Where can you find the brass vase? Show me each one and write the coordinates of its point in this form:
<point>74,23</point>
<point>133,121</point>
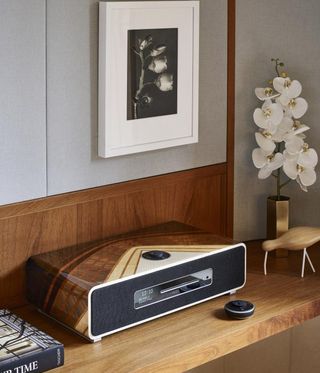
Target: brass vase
<point>277,219</point>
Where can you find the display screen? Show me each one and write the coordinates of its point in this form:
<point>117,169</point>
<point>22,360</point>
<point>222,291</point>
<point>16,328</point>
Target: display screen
<point>167,290</point>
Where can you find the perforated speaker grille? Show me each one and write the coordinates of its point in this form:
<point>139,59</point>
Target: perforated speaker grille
<point>112,306</point>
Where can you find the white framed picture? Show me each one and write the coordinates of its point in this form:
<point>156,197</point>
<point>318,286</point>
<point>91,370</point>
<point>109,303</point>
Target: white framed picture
<point>148,75</point>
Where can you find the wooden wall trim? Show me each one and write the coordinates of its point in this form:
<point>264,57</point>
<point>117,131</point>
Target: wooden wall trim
<point>92,194</point>
<point>230,114</point>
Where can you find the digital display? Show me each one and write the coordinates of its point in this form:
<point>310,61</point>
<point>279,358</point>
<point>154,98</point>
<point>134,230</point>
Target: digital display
<point>167,290</point>
<point>145,295</point>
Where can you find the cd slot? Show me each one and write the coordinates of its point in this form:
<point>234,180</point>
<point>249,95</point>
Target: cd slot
<point>181,285</point>
<point>167,290</point>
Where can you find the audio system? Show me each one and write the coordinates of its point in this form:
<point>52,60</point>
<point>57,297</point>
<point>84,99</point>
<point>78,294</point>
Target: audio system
<point>105,287</point>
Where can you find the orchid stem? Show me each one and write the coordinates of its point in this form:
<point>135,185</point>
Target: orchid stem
<point>135,110</point>
<point>141,83</point>
<point>285,183</point>
<point>277,64</point>
<point>278,184</point>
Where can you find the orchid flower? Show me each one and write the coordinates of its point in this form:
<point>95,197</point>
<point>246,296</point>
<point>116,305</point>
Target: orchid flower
<point>301,166</point>
<point>282,129</point>
<point>269,116</point>
<point>165,82</point>
<point>296,107</point>
<point>267,162</point>
<point>266,93</point>
<point>281,136</point>
<point>288,89</point>
<point>264,141</point>
<point>158,64</point>
<point>293,143</point>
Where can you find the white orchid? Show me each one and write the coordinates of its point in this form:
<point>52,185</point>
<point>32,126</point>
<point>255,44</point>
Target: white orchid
<point>283,128</point>
<point>288,89</point>
<point>269,116</point>
<point>298,128</point>
<point>266,93</point>
<point>296,107</point>
<point>281,136</point>
<point>293,143</point>
<point>288,128</point>
<point>300,166</point>
<point>263,139</point>
<point>267,162</point>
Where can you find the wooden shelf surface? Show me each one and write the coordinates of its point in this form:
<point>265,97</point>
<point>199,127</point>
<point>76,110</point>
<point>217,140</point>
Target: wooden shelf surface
<point>202,333</point>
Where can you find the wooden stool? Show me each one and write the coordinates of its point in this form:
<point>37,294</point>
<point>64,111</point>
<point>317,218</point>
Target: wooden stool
<point>298,238</point>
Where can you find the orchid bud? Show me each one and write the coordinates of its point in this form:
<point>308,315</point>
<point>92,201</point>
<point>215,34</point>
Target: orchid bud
<point>145,43</point>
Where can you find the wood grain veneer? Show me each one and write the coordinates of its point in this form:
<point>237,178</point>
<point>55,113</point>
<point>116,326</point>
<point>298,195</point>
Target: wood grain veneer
<point>194,336</point>
<point>58,283</point>
<point>196,197</point>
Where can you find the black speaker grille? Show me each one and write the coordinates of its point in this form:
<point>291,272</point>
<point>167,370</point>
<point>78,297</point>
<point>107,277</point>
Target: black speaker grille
<point>112,307</point>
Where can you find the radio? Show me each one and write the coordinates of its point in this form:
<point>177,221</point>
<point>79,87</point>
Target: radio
<point>102,288</point>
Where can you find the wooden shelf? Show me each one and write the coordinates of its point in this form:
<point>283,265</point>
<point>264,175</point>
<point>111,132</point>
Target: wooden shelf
<point>202,333</point>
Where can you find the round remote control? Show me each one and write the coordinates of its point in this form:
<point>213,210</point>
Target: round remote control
<point>239,309</point>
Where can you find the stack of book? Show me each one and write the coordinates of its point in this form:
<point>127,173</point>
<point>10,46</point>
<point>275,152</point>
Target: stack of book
<point>24,348</point>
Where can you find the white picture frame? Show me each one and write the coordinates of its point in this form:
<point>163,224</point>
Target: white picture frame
<point>120,132</point>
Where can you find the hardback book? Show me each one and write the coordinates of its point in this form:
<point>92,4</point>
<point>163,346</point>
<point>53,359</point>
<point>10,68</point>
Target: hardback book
<point>24,348</point>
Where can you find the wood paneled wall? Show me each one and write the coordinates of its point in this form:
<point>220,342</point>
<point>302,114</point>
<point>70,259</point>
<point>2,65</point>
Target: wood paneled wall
<point>196,197</point>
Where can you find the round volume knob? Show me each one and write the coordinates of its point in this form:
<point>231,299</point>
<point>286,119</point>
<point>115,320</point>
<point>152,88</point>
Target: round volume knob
<point>155,255</point>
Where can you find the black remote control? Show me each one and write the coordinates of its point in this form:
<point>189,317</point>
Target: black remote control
<point>239,309</point>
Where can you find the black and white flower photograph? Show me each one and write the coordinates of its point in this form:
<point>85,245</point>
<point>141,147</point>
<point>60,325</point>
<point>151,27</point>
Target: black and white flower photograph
<point>152,73</point>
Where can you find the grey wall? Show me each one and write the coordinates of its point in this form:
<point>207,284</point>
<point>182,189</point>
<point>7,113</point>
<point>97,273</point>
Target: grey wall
<point>22,100</point>
<point>288,29</point>
<point>62,35</point>
<point>72,102</point>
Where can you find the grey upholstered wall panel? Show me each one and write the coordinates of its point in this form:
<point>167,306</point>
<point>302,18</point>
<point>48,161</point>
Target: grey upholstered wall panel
<point>72,101</point>
<point>22,100</point>
<point>288,29</point>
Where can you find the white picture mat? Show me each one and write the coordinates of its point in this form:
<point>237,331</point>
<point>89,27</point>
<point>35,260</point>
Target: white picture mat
<point>117,135</point>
